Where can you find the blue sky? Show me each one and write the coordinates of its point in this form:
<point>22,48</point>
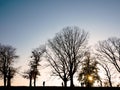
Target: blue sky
<point>25,24</point>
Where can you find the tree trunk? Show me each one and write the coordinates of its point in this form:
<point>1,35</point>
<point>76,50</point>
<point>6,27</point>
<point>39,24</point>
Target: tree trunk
<point>9,78</point>
<point>8,82</point>
<point>110,83</point>
<point>30,83</point>
<point>100,83</point>
<point>71,81</point>
<point>4,80</point>
<point>35,81</point>
<point>65,83</point>
<point>5,75</point>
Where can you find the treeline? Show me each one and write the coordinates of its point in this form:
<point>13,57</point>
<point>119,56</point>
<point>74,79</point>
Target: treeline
<point>68,52</point>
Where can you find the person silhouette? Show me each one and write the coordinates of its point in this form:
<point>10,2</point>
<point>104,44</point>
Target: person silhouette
<point>43,83</point>
<point>62,84</point>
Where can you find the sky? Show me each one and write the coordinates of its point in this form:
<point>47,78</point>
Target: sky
<point>26,24</point>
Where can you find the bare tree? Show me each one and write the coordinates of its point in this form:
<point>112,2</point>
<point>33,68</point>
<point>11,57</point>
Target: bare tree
<point>67,47</point>
<point>33,72</point>
<point>59,67</point>
<point>7,58</point>
<point>110,51</point>
<point>107,71</point>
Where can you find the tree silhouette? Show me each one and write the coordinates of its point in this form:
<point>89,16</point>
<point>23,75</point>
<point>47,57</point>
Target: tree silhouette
<point>107,70</point>
<point>28,75</point>
<point>89,72</point>
<point>11,73</point>
<point>59,68</point>
<point>33,72</point>
<point>67,47</point>
<point>7,58</point>
<point>110,50</point>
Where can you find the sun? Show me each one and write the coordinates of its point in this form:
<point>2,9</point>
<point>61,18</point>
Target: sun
<point>90,78</point>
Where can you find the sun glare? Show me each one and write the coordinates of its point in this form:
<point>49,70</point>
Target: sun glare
<point>90,78</point>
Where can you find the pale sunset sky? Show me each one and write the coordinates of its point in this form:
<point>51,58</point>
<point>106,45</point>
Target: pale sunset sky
<point>26,24</point>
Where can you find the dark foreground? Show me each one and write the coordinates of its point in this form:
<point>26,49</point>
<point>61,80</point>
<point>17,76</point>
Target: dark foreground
<point>57,88</point>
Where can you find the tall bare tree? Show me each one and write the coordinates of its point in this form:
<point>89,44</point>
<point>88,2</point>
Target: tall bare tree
<point>110,51</point>
<point>33,72</point>
<point>67,47</point>
<point>7,58</point>
<point>59,67</point>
